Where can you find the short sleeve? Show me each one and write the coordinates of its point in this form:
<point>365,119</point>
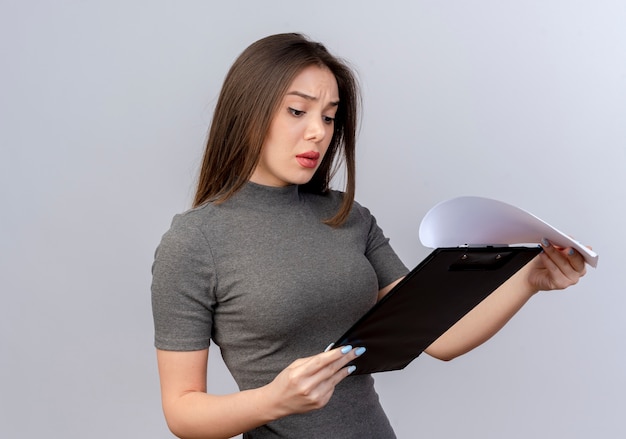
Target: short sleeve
<point>384,260</point>
<point>183,288</point>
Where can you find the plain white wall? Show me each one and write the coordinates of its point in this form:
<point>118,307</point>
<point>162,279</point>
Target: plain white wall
<point>104,107</point>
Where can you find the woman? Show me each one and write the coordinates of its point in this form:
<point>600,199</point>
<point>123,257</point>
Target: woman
<point>272,265</point>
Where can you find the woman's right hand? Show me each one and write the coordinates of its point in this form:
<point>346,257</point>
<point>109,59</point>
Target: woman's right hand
<point>308,383</point>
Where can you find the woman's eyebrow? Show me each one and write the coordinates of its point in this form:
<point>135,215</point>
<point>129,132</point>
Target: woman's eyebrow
<point>310,98</point>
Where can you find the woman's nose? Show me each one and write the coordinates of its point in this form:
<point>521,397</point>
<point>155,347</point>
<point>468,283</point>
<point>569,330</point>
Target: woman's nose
<point>315,130</point>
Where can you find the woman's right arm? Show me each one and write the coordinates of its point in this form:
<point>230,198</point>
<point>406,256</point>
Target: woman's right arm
<point>306,384</point>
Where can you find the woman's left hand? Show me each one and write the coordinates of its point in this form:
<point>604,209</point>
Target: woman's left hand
<point>556,268</point>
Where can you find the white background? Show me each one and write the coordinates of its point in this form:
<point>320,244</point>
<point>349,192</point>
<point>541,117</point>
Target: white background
<point>104,108</point>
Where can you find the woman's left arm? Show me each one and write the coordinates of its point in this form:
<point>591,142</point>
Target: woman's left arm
<point>554,269</point>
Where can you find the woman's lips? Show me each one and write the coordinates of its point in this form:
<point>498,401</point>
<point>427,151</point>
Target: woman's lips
<point>308,159</point>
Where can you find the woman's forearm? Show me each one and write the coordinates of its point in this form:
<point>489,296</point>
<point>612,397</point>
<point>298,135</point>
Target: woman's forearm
<point>486,319</point>
<point>201,415</point>
<point>192,413</point>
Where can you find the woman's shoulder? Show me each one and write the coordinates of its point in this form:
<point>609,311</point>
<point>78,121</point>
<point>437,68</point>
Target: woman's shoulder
<point>189,226</point>
<point>192,217</point>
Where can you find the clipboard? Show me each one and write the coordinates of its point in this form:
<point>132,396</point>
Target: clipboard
<point>437,293</point>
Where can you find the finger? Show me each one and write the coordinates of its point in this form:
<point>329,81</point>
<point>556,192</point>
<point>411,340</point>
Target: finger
<point>553,252</point>
<point>330,354</point>
<point>348,354</point>
<point>324,371</point>
<point>348,369</point>
<point>341,374</point>
<point>576,260</point>
<point>341,368</point>
<point>565,267</point>
<point>326,363</point>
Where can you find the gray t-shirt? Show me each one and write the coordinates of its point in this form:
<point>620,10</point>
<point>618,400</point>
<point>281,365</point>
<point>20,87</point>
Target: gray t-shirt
<point>268,282</point>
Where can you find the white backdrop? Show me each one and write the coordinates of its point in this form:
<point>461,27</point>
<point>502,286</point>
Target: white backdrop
<point>104,108</point>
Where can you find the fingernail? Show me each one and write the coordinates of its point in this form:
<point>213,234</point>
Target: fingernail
<point>360,351</point>
<point>351,369</point>
<point>571,252</point>
<point>545,242</point>
<point>346,349</point>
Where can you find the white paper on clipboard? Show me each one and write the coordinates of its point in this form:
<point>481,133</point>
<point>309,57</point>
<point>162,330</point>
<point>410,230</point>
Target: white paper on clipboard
<point>483,221</point>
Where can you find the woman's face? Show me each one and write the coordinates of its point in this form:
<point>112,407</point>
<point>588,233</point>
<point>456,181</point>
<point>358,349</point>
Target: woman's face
<point>300,131</point>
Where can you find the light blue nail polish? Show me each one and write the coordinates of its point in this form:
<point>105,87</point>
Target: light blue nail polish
<point>545,242</point>
<point>351,369</point>
<point>360,351</point>
<point>571,252</point>
<point>346,349</point>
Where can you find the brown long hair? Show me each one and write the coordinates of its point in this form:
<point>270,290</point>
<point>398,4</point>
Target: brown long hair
<point>250,96</point>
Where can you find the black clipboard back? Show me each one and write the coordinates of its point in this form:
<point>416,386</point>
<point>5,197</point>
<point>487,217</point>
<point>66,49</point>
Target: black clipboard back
<point>437,293</point>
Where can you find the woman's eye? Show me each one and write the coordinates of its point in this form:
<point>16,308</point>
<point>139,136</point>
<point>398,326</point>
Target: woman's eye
<point>295,112</point>
<point>328,119</point>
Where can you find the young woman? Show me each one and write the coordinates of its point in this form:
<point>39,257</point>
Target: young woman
<point>272,265</point>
